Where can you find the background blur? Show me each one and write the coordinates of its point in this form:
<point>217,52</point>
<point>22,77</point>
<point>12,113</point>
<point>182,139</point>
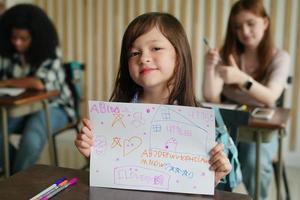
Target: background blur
<point>90,31</point>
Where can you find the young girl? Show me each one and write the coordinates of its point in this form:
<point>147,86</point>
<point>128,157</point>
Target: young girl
<point>30,58</point>
<point>155,67</point>
<point>252,72</point>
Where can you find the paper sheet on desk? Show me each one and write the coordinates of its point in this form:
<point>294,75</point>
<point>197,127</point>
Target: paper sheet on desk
<point>151,147</point>
<point>11,91</point>
<point>220,105</point>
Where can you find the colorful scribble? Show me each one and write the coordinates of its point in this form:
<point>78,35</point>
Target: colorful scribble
<point>177,170</point>
<point>141,177</point>
<point>171,144</point>
<point>99,144</point>
<point>138,119</point>
<point>131,144</point>
<point>101,107</point>
<point>116,141</point>
<point>180,128</point>
<point>118,118</point>
<point>152,163</point>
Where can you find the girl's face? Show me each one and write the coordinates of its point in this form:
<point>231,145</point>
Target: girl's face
<point>21,40</point>
<point>250,28</point>
<point>152,60</point>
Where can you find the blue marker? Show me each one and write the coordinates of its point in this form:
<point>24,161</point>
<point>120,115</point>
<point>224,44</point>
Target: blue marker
<point>39,195</point>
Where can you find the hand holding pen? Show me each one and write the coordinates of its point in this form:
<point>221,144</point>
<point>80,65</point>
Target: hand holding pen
<point>213,57</point>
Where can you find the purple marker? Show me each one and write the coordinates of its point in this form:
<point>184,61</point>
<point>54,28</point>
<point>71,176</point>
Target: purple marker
<point>39,195</point>
<point>72,182</point>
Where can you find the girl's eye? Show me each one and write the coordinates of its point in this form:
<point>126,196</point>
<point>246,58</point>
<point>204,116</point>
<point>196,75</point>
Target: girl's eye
<point>157,48</point>
<point>132,54</point>
<point>251,24</point>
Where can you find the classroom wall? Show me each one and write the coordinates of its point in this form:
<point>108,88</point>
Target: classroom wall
<point>91,30</point>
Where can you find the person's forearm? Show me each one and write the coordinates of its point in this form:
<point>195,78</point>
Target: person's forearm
<point>267,95</point>
<point>212,86</point>
<point>28,82</point>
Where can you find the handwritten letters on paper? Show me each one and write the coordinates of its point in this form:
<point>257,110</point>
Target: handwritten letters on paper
<point>151,147</point>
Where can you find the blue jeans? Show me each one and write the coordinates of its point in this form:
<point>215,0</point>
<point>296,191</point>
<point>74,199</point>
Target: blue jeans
<point>34,136</point>
<point>247,159</point>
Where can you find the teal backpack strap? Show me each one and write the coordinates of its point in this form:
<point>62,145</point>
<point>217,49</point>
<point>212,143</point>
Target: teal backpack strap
<point>221,128</point>
<point>234,177</point>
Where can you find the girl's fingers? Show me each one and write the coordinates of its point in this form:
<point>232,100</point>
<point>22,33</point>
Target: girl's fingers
<point>87,123</point>
<point>216,149</point>
<point>219,157</point>
<point>221,166</point>
<point>87,132</point>
<point>82,144</point>
<point>85,138</point>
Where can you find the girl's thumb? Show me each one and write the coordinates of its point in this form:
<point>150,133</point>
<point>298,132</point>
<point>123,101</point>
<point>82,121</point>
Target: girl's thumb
<point>232,61</point>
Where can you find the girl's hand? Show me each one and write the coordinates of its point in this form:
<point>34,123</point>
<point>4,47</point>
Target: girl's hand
<point>84,140</point>
<point>219,162</point>
<point>232,74</point>
<point>212,58</point>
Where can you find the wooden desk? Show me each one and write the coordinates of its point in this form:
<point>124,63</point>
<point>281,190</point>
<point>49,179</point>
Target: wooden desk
<point>28,102</point>
<point>260,135</point>
<point>28,183</point>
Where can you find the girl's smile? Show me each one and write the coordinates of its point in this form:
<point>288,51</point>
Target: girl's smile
<point>147,70</point>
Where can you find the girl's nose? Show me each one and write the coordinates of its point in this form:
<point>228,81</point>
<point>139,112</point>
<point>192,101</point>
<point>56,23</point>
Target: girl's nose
<point>17,42</point>
<point>245,30</point>
<point>145,58</point>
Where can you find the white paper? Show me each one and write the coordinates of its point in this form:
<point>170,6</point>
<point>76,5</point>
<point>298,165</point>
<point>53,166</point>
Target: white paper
<point>219,105</point>
<point>151,147</point>
<point>11,91</point>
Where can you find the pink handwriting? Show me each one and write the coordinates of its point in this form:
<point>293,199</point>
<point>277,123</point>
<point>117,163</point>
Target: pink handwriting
<point>141,177</point>
<point>101,107</point>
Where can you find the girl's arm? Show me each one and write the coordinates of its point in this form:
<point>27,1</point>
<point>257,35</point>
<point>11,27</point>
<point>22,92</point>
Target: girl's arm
<point>27,82</point>
<point>266,94</point>
<point>84,139</point>
<point>212,82</point>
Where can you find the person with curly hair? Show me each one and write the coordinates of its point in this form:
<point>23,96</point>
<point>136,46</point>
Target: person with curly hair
<point>30,58</point>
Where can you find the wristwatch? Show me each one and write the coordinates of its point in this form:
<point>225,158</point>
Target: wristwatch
<point>248,84</point>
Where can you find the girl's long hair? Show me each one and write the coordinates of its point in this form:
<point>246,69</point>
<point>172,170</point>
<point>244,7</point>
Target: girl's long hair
<point>182,80</point>
<point>233,46</point>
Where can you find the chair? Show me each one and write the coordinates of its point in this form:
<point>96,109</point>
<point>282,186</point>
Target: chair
<point>280,103</point>
<point>234,119</point>
<point>74,78</point>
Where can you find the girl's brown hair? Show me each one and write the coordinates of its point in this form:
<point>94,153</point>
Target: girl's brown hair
<point>182,80</point>
<point>233,46</point>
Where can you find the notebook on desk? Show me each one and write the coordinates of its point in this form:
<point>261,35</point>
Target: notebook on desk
<point>263,113</point>
<point>219,105</point>
<point>11,91</point>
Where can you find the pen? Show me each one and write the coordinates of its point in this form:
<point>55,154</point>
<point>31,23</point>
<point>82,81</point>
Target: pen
<point>208,46</point>
<point>206,43</point>
<point>43,192</point>
<point>55,188</point>
<point>73,181</point>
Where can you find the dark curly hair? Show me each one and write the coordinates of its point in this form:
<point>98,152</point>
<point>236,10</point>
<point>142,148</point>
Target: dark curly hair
<point>44,38</point>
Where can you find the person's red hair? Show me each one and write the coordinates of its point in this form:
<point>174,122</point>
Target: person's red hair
<point>233,46</point>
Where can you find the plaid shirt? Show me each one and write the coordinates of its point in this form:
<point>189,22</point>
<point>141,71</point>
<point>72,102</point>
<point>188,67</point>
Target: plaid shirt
<point>50,72</point>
